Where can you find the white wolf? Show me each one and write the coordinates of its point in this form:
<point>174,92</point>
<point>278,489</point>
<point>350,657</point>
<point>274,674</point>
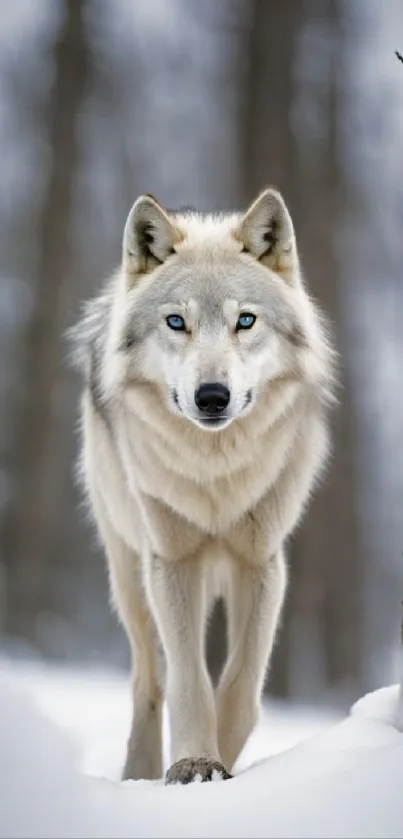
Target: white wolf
<point>204,426</point>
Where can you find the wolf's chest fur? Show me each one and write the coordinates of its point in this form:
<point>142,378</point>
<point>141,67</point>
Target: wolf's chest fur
<point>211,480</point>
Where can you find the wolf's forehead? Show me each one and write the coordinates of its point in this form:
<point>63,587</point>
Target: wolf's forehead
<point>206,295</point>
<point>210,281</point>
<point>207,286</point>
<point>210,307</point>
<point>199,287</point>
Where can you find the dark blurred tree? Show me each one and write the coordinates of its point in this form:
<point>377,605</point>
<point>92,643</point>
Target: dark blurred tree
<point>269,148</point>
<point>323,607</point>
<point>28,523</point>
<point>270,159</point>
<point>329,548</point>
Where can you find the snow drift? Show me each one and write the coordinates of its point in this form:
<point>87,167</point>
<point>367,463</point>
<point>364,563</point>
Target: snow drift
<point>344,782</point>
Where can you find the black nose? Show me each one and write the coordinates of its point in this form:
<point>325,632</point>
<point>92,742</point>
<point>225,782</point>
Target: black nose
<point>212,398</point>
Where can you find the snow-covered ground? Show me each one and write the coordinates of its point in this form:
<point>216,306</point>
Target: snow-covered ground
<point>94,707</point>
<point>303,774</point>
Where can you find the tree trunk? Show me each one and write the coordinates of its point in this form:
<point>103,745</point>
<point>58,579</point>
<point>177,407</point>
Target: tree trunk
<point>321,621</point>
<point>270,160</point>
<point>28,524</point>
<point>329,543</point>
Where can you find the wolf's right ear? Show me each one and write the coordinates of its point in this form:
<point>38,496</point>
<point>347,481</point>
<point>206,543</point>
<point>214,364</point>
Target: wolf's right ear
<point>149,237</point>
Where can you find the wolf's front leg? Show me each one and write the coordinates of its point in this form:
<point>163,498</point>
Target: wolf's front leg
<point>176,594</point>
<point>254,607</point>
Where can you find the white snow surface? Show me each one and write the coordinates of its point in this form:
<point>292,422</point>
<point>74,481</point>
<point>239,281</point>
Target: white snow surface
<point>62,738</point>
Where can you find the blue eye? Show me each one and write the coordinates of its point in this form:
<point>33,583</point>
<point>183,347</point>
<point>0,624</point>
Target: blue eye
<point>245,321</point>
<point>176,322</point>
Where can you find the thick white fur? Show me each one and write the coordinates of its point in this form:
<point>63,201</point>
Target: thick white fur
<point>186,514</point>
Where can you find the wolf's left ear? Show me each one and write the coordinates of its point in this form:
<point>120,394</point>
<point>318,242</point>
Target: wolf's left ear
<point>268,234</point>
<point>149,236</point>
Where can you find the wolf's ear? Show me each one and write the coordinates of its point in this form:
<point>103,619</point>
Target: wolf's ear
<point>149,236</point>
<point>268,234</point>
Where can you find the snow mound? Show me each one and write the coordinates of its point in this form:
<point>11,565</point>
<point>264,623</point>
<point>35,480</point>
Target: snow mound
<point>344,782</point>
<point>381,705</point>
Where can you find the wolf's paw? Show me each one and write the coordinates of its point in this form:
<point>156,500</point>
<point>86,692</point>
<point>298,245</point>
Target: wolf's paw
<point>196,769</point>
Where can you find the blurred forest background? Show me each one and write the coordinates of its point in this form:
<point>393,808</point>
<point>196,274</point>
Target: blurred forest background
<point>203,103</point>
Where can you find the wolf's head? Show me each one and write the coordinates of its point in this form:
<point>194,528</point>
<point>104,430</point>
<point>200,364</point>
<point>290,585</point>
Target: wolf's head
<point>212,309</point>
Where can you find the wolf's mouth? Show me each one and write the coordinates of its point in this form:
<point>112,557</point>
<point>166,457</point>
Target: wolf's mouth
<point>212,421</point>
